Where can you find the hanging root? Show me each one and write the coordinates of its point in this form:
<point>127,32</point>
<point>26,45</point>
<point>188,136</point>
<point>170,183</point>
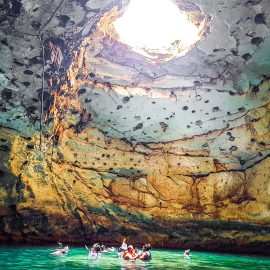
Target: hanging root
<point>42,93</point>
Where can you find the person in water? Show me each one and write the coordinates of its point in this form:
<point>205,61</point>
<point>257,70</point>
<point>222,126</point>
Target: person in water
<point>145,255</point>
<point>111,249</point>
<point>60,251</point>
<point>186,254</point>
<point>129,254</point>
<point>124,245</point>
<point>60,245</point>
<point>122,248</point>
<point>103,249</point>
<point>95,250</point>
<point>65,250</point>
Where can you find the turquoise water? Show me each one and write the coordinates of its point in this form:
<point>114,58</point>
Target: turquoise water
<point>38,258</point>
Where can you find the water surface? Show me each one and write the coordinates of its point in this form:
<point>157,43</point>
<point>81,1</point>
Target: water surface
<point>38,258</point>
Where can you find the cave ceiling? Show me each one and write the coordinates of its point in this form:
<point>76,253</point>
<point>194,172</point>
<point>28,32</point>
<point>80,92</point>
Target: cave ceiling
<point>215,93</point>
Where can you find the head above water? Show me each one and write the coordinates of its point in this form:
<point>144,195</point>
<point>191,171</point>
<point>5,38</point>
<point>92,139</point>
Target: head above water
<point>96,247</point>
<point>130,247</point>
<point>147,247</point>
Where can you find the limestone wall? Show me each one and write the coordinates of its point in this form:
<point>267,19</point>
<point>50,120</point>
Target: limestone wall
<point>104,189</point>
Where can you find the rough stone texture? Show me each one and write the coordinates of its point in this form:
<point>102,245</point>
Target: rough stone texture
<point>175,153</point>
<point>95,187</point>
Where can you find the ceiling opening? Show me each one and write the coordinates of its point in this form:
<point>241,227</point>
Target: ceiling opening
<point>158,30</point>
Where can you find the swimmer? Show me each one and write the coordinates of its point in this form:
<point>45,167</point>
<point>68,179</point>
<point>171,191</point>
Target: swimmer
<point>111,249</point>
<point>124,245</point>
<point>145,255</point>
<point>186,254</point>
<point>65,250</point>
<point>94,251</point>
<point>60,245</point>
<point>122,249</point>
<point>103,249</point>
<point>120,252</point>
<point>96,248</point>
<point>129,254</point>
<point>60,252</point>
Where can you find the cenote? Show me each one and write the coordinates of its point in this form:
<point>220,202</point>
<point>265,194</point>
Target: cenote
<point>38,258</point>
<point>144,120</point>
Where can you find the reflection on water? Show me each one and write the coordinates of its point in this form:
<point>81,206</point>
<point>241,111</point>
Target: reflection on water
<point>27,258</point>
<point>138,265</point>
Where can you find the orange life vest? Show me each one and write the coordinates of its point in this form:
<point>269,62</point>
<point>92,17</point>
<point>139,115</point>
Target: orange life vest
<point>131,252</point>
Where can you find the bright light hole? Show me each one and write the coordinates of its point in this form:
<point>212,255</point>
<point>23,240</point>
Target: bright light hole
<point>154,25</point>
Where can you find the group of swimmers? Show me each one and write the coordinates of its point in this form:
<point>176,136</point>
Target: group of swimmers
<point>127,252</point>
<point>97,249</point>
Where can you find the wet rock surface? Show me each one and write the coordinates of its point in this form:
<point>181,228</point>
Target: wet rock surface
<point>92,187</point>
<point>175,153</point>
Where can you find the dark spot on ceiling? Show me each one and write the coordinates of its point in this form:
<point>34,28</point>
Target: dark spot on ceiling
<point>63,20</point>
<point>255,89</point>
<point>87,100</point>
<point>139,126</point>
<point>199,122</point>
<point>260,18</point>
<point>18,63</point>
<point>234,52</point>
<point>256,41</point>
<point>215,109</point>
<point>81,91</point>
<point>242,109</point>
<point>31,146</point>
<point>4,148</point>
<point>36,25</point>
<point>31,109</point>
<point>35,60</point>
<point>197,83</point>
<point>28,72</point>
<point>125,99</point>
<point>6,94</point>
<point>247,56</point>
<point>15,7</point>
<point>163,126</point>
<point>2,173</point>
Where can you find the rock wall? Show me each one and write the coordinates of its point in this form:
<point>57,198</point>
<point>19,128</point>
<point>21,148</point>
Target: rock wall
<point>95,188</point>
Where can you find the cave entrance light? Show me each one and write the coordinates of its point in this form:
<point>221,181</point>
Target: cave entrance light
<point>152,27</point>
